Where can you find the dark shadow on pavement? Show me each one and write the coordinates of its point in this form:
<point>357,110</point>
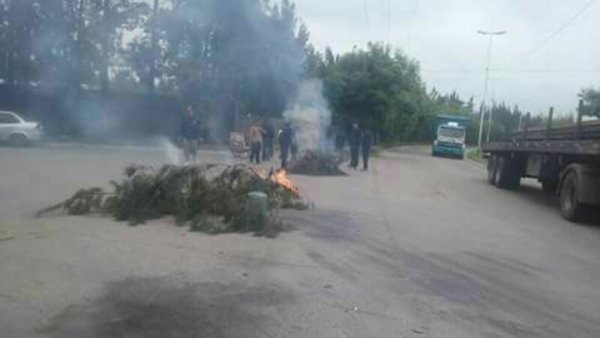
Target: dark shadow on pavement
<point>534,194</point>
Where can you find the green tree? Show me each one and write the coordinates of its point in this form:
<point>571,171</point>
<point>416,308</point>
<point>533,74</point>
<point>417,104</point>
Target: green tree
<point>21,26</point>
<point>378,88</point>
<point>230,57</point>
<point>106,22</point>
<point>591,99</point>
<point>4,39</point>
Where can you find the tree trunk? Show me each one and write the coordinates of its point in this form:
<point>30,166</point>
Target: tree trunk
<point>78,48</point>
<point>104,77</point>
<point>10,58</point>
<point>153,49</point>
<point>236,124</point>
<point>18,38</point>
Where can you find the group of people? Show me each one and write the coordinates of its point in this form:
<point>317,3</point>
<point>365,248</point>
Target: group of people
<point>262,138</point>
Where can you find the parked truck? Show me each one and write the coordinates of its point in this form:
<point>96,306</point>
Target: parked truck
<point>450,131</point>
<point>566,160</point>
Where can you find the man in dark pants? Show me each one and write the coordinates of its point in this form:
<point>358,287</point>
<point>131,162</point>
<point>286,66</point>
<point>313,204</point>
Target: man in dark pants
<point>367,142</point>
<point>355,141</point>
<point>189,134</point>
<point>268,138</point>
<point>340,141</point>
<point>286,137</point>
<point>294,146</point>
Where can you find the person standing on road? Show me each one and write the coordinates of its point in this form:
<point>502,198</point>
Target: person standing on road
<point>355,141</point>
<point>268,139</point>
<point>367,143</point>
<point>340,141</point>
<point>256,141</point>
<point>189,134</point>
<point>286,137</point>
<point>294,146</point>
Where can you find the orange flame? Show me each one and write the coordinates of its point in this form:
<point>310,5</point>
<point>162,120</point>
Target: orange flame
<point>280,177</point>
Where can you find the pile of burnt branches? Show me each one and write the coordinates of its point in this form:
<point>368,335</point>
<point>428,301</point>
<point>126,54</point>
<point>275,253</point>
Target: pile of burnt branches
<point>318,164</point>
<point>209,198</point>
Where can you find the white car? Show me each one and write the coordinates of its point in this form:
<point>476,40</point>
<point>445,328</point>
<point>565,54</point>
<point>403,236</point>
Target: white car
<point>17,131</point>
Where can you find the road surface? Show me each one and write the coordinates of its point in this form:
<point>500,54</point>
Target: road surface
<point>417,247</point>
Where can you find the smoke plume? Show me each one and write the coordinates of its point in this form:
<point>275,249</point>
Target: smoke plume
<point>310,116</point>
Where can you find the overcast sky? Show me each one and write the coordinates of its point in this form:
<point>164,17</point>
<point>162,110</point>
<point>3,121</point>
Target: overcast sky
<point>528,69</point>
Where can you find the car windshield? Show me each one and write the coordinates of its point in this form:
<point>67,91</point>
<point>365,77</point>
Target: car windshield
<point>300,168</point>
<point>452,132</point>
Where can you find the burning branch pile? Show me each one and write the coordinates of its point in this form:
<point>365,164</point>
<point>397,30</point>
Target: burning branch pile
<point>209,198</point>
<point>318,163</point>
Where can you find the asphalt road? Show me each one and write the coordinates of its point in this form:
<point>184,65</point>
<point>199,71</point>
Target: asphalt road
<point>417,247</point>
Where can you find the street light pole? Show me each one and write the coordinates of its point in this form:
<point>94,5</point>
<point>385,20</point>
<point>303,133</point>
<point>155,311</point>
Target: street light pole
<point>491,36</point>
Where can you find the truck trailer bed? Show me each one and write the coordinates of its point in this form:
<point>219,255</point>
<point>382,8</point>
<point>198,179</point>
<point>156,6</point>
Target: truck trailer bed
<point>589,147</point>
<point>565,160</point>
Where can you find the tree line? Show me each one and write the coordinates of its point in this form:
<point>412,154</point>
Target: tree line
<point>228,58</point>
<point>382,89</point>
<point>223,56</point>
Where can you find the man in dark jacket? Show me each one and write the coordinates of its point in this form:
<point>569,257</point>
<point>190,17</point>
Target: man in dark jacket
<point>294,147</point>
<point>340,142</point>
<point>355,142</point>
<point>286,137</point>
<point>367,143</point>
<point>189,134</point>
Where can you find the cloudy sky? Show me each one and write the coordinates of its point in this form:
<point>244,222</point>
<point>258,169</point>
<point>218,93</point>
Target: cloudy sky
<point>551,49</point>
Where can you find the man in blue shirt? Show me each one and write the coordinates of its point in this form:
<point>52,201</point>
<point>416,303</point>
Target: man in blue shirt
<point>189,134</point>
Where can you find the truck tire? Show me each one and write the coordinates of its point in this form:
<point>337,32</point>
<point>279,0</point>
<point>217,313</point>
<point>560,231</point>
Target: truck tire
<point>508,175</point>
<point>549,186</point>
<point>491,168</point>
<point>570,208</point>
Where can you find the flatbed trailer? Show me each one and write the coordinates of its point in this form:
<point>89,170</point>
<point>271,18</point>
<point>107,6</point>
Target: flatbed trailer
<point>566,160</point>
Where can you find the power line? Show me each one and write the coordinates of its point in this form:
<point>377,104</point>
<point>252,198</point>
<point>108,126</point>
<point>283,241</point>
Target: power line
<point>411,26</point>
<point>367,19</point>
<point>490,35</point>
<point>560,29</point>
<point>389,21</point>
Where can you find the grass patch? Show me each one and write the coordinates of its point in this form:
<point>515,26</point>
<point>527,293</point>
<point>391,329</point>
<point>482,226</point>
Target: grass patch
<point>380,148</point>
<point>476,155</point>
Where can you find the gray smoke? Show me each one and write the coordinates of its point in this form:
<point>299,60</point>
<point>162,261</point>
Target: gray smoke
<point>309,114</point>
<point>227,58</point>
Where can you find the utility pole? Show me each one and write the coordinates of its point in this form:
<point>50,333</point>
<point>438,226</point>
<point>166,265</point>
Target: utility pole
<point>490,112</point>
<point>490,116</point>
<point>491,36</point>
